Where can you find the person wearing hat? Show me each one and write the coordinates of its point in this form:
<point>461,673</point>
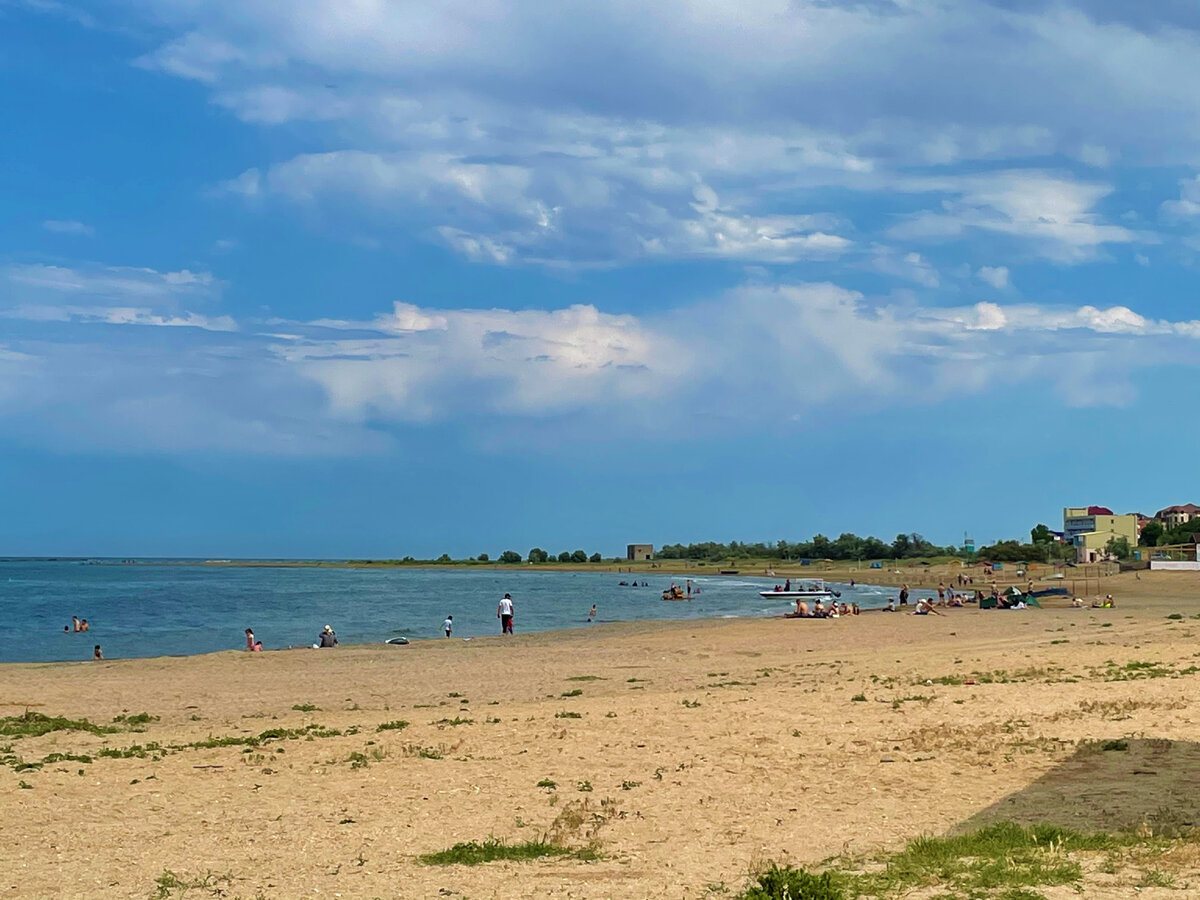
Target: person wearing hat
<point>328,638</point>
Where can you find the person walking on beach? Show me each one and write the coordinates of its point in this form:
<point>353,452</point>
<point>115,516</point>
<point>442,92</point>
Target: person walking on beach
<point>249,639</point>
<point>504,612</point>
<point>448,625</point>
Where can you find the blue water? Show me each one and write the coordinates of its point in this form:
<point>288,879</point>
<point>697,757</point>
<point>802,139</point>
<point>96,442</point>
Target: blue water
<point>153,609</point>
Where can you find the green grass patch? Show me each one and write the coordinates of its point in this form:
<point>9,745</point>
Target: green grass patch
<point>578,692</point>
<point>455,722</point>
<point>394,725</point>
<point>35,724</point>
<point>474,853</point>
<point>305,707</point>
<point>585,678</point>
<point>568,715</point>
<point>1004,861</point>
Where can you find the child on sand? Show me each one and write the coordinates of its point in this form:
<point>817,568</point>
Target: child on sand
<point>448,625</point>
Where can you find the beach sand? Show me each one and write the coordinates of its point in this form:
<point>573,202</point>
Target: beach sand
<point>689,754</point>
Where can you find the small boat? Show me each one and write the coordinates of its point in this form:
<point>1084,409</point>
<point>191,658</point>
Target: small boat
<point>812,590</point>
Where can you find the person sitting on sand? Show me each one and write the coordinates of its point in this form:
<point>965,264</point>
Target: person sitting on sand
<point>1077,603</point>
<point>891,605</point>
<point>843,608</point>
<point>802,609</point>
<point>97,653</point>
<point>854,610</point>
<point>819,610</point>
<point>328,638</point>
<point>924,608</point>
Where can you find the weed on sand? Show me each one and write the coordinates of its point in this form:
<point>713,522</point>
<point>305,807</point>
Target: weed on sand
<point>474,853</point>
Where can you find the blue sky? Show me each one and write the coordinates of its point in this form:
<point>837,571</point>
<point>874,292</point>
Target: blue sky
<point>360,278</point>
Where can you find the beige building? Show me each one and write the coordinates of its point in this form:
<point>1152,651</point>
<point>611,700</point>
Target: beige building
<point>1177,515</point>
<point>639,552</point>
<point>1090,528</point>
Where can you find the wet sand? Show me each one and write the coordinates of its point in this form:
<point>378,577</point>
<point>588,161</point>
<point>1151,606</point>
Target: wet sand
<point>691,752</point>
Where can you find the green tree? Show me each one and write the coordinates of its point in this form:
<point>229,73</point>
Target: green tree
<point>1119,547</point>
<point>1151,532</point>
<point>510,556</point>
<point>538,555</point>
<point>483,557</point>
<point>565,556</point>
<point>444,558</point>
<point>596,557</point>
<point>1040,534</point>
<point>579,556</point>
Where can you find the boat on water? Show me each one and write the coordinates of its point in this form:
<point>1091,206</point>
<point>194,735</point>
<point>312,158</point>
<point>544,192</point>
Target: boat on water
<point>809,590</point>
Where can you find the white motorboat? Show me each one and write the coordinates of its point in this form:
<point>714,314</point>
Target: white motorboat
<point>809,590</point>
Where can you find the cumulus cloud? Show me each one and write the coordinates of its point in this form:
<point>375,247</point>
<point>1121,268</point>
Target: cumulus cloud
<point>753,355</point>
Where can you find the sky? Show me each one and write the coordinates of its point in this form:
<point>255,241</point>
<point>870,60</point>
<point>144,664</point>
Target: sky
<point>347,278</point>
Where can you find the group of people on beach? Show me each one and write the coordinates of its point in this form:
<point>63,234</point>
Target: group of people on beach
<point>820,611</point>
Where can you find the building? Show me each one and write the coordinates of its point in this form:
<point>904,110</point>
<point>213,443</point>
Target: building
<point>1090,528</point>
<point>1177,515</point>
<point>639,552</point>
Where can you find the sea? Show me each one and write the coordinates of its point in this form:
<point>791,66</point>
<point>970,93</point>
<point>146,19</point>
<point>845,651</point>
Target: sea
<point>142,608</point>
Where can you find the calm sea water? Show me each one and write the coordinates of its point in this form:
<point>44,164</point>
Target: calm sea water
<point>153,609</point>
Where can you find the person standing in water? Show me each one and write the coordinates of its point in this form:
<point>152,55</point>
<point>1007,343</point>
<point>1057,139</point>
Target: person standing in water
<point>504,612</point>
<point>592,612</point>
<point>448,625</point>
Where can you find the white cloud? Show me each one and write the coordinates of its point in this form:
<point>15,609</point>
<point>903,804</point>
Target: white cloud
<point>67,226</point>
<point>1053,214</point>
<point>996,276</point>
<point>586,208</point>
<point>115,295</point>
<point>1188,204</point>
<point>107,282</point>
<point>441,364</point>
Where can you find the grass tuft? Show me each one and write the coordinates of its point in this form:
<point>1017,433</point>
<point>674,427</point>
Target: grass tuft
<point>473,853</point>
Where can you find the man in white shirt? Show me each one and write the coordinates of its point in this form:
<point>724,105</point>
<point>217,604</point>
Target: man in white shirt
<point>504,612</point>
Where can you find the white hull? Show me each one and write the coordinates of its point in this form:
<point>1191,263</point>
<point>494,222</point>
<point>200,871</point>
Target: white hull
<point>798,595</point>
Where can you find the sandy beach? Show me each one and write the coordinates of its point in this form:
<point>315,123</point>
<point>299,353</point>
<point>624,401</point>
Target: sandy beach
<point>685,754</point>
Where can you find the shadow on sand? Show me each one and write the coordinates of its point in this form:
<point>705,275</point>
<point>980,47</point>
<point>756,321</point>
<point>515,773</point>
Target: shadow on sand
<point>1134,782</point>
